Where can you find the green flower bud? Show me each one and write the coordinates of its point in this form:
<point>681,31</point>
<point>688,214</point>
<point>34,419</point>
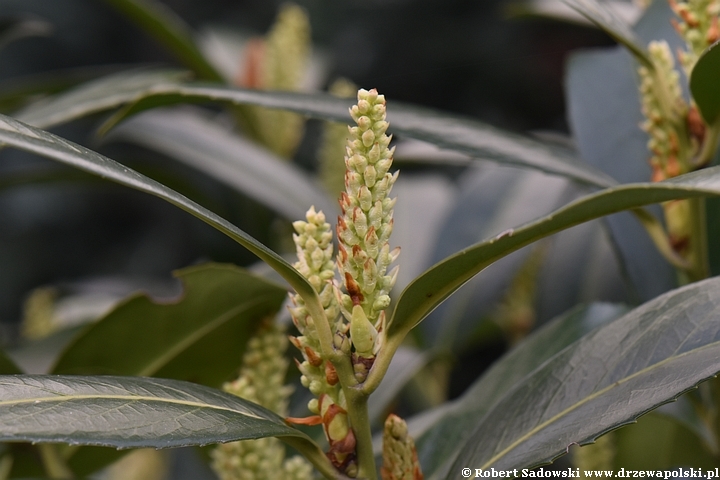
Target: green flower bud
<point>362,332</point>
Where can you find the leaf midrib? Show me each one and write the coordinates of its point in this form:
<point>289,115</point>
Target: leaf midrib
<point>137,398</point>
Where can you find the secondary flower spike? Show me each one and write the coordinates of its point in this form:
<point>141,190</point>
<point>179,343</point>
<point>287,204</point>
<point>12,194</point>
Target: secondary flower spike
<point>365,226</point>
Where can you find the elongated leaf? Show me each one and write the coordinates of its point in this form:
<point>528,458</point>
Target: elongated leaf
<point>432,287</point>
<point>612,25</point>
<point>128,412</point>
<point>25,137</point>
<point>188,136</point>
<point>455,133</point>
<point>96,96</point>
<point>170,30</point>
<point>439,433</point>
<point>604,380</point>
<point>16,91</point>
<point>625,11</point>
<point>703,84</point>
<point>200,337</point>
<point>447,131</point>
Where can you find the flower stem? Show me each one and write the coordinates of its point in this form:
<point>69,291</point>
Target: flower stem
<point>357,402</point>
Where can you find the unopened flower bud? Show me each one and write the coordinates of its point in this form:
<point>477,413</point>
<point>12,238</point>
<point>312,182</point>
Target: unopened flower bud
<point>370,176</point>
<point>368,138</point>
<point>362,332</point>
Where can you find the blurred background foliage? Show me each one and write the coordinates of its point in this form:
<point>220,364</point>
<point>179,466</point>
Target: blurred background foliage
<point>462,56</point>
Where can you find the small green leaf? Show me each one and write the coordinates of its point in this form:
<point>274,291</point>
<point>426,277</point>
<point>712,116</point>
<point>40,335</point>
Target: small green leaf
<point>704,84</point>
<point>199,337</point>
<point>191,138</point>
<point>169,29</point>
<point>444,429</point>
<point>25,137</point>
<point>605,19</point>
<point>428,290</point>
<point>607,379</point>
<point>127,412</point>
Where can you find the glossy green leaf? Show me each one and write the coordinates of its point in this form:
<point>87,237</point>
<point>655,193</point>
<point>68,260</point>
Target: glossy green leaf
<point>452,132</point>
<point>432,287</point>
<point>95,96</point>
<point>17,91</point>
<point>17,134</point>
<point>704,84</point>
<point>200,337</point>
<point>447,131</point>
<point>190,137</point>
<point>439,433</point>
<point>126,412</point>
<point>605,19</point>
<point>170,30</point>
<point>610,376</point>
<point>626,11</point>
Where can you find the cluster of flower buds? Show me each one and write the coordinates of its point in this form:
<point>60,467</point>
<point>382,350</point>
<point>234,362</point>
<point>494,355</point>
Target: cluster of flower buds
<point>697,24</point>
<point>400,460</point>
<point>364,229</point>
<point>261,380</point>
<point>313,240</point>
<point>666,114</point>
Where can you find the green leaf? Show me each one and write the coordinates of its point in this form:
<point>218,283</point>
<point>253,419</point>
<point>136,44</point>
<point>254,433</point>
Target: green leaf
<point>605,19</point>
<point>606,379</point>
<point>25,137</point>
<point>441,432</point>
<point>17,91</point>
<point>704,84</point>
<point>191,138</point>
<point>199,337</point>
<point>169,29</point>
<point>95,96</point>
<point>127,412</point>
<point>445,130</point>
<point>432,287</point>
<point>456,133</point>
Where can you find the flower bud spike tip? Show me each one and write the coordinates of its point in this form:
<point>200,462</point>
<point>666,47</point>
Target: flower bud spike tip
<point>366,223</point>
